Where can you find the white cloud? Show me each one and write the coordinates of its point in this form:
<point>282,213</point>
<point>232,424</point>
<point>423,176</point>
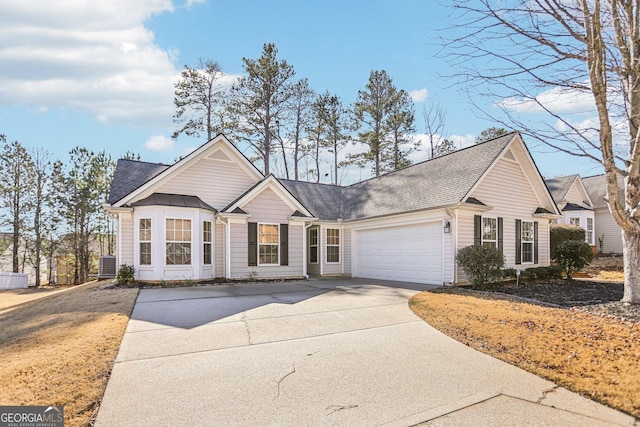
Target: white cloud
<point>159,143</point>
<point>557,100</point>
<point>95,57</point>
<point>419,95</point>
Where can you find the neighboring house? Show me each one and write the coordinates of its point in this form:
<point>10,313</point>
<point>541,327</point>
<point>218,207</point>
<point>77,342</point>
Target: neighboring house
<point>574,202</point>
<point>214,215</point>
<point>608,233</point>
<point>6,260</point>
<point>582,203</point>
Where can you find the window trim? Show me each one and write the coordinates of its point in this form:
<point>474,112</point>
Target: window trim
<point>311,245</point>
<point>589,231</point>
<point>482,239</point>
<point>332,245</point>
<point>523,242</point>
<point>577,218</point>
<point>206,243</point>
<point>145,241</point>
<point>277,245</point>
<point>167,241</point>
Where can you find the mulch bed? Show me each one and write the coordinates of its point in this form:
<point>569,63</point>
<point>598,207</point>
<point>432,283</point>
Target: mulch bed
<point>600,298</point>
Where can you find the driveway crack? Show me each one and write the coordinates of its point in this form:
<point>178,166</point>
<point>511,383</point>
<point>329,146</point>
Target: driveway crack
<point>243,319</point>
<point>545,392</point>
<point>279,382</point>
<point>338,408</point>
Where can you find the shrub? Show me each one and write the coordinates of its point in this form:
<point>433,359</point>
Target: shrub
<point>573,255</point>
<point>482,265</point>
<point>534,274</point>
<point>126,274</point>
<point>509,273</point>
<point>560,233</point>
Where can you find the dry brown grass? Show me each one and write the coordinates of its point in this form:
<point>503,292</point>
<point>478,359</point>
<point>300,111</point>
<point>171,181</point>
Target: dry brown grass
<point>594,356</point>
<point>59,350</point>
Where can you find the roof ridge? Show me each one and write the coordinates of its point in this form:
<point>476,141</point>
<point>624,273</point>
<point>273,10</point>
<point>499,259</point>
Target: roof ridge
<point>435,158</point>
<point>142,161</point>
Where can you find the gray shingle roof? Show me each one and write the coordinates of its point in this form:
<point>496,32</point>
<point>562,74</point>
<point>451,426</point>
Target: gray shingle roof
<point>324,201</point>
<point>441,181</point>
<point>597,188</point>
<point>559,187</point>
<point>131,174</point>
<point>178,200</point>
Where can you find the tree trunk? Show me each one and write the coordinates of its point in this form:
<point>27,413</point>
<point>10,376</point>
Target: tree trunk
<point>631,258</point>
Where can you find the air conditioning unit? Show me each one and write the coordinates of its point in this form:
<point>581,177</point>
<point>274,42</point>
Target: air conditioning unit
<point>107,267</point>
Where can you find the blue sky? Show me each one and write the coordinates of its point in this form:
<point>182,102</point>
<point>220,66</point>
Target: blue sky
<point>101,75</point>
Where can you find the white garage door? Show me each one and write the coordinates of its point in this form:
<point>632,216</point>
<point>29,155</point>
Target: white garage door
<point>411,253</point>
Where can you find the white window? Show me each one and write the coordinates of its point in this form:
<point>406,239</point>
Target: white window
<point>206,242</point>
<point>490,233</point>
<point>313,245</point>
<point>178,240</point>
<point>268,244</point>
<point>145,241</point>
<point>589,231</point>
<point>333,245</point>
<point>574,221</point>
<point>527,242</point>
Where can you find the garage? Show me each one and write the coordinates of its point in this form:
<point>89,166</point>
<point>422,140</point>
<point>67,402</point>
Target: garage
<point>410,253</point>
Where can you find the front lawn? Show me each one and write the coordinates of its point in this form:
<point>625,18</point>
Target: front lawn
<point>597,356</point>
<point>59,349</point>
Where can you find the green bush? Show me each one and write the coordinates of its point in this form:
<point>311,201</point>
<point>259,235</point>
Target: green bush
<point>509,273</point>
<point>482,265</point>
<point>560,233</point>
<point>573,255</point>
<point>535,274</point>
<point>126,274</point>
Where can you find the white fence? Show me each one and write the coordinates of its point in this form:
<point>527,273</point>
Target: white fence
<point>13,280</point>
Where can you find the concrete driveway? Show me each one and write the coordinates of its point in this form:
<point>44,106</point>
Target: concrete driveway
<point>321,352</point>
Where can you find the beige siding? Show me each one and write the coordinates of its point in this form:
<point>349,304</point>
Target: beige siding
<point>219,248</point>
<point>266,208</point>
<point>347,250</point>
<point>607,226</point>
<point>217,182</point>
<point>507,190</point>
<point>126,239</point>
<point>574,195</point>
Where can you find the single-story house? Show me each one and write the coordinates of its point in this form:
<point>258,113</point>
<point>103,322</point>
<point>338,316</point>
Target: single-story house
<point>608,233</point>
<point>214,215</point>
<point>574,203</point>
<point>582,203</point>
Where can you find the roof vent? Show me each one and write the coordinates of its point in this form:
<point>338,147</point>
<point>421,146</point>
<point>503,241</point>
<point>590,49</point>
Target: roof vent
<point>107,267</point>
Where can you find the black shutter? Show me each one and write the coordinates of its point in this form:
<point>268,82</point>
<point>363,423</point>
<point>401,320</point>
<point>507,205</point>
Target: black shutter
<point>535,242</point>
<point>477,230</point>
<point>253,244</point>
<point>284,244</point>
<point>518,241</point>
<point>500,233</point>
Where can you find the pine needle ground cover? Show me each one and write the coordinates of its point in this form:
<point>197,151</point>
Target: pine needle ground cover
<point>59,350</point>
<point>596,356</point>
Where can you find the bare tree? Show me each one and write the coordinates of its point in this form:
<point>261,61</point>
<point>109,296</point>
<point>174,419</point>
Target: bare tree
<point>434,126</point>
<point>40,192</point>
<point>585,49</point>
<point>15,181</point>
<point>197,99</point>
<point>336,125</point>
<point>300,109</point>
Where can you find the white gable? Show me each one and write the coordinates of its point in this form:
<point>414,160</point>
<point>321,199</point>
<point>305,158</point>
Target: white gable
<point>216,173</point>
<point>513,181</point>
